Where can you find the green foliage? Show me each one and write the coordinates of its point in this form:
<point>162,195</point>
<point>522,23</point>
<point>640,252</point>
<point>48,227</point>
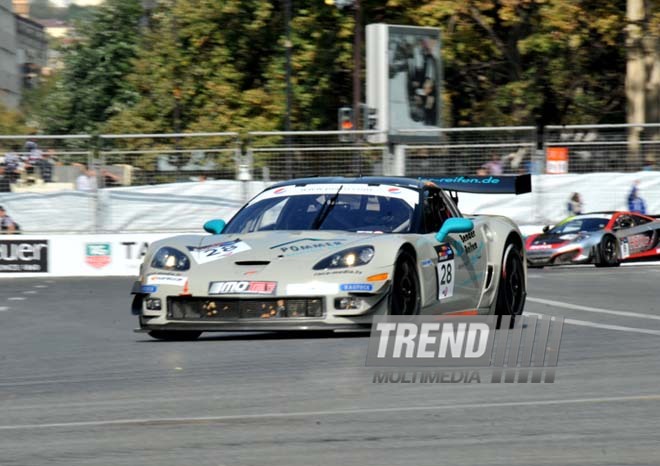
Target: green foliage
<point>216,65</point>
<point>92,87</point>
<point>11,121</point>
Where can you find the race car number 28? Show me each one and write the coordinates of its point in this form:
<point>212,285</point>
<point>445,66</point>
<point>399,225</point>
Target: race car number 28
<point>445,279</point>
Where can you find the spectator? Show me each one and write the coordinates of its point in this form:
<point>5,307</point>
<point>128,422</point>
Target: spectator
<point>574,204</point>
<point>46,166</point>
<point>110,180</point>
<point>33,157</point>
<point>5,186</point>
<point>86,181</point>
<point>12,165</point>
<point>7,224</point>
<point>494,167</point>
<point>635,202</point>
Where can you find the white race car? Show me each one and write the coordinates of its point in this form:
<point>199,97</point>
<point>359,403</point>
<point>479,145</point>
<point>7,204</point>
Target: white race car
<point>330,253</point>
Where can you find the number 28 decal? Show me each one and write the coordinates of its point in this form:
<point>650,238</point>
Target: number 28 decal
<point>445,279</point>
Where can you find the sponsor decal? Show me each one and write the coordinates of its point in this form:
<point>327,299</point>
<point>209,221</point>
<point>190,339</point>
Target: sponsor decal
<point>469,180</point>
<point>98,255</point>
<point>148,289</point>
<point>279,190</point>
<point>338,272</point>
<point>427,263</point>
<point>536,247</point>
<point>356,287</point>
<point>446,272</point>
<point>243,287</point>
<point>311,288</point>
<point>394,190</point>
<point>445,252</point>
<point>307,245</point>
<point>30,255</point>
<point>163,279</point>
<point>466,346</point>
<point>217,251</point>
<point>625,248</point>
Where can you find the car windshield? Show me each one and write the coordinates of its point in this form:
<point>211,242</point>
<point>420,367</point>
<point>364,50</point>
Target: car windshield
<point>580,224</point>
<point>336,208</point>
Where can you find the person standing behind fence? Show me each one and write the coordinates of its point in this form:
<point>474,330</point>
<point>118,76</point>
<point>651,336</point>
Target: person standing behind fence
<point>494,166</point>
<point>574,206</point>
<point>86,181</point>
<point>5,186</point>
<point>7,224</point>
<point>635,202</point>
<point>12,165</point>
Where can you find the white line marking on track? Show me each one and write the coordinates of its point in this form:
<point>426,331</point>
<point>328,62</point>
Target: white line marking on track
<point>577,307</point>
<point>338,412</point>
<point>4,308</point>
<point>40,286</point>
<point>586,323</point>
<point>16,298</point>
<point>30,292</point>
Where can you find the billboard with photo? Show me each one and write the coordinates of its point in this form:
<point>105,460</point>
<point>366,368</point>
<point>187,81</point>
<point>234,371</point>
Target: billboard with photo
<point>404,80</point>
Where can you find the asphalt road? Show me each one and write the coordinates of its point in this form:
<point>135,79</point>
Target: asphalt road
<point>77,387</point>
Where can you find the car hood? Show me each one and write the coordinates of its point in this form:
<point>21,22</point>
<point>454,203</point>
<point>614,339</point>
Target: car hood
<point>266,247</point>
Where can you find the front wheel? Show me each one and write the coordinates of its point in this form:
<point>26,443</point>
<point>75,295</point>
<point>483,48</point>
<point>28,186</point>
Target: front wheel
<point>511,291</point>
<point>405,298</point>
<point>174,335</point>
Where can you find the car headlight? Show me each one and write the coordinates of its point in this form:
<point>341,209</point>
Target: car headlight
<point>170,259</point>
<point>353,257</point>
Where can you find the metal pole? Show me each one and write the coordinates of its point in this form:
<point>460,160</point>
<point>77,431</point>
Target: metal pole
<point>357,68</point>
<point>288,45</point>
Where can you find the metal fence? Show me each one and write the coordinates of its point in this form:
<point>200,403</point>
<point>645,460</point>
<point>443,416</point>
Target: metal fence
<point>606,148</point>
<point>471,151</point>
<point>298,154</point>
<point>110,182</point>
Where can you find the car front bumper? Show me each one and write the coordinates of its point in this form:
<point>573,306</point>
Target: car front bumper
<point>284,313</point>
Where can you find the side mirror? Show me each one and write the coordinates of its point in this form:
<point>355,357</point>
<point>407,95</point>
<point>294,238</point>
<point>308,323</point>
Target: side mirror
<point>215,227</point>
<point>546,228</point>
<point>454,225</point>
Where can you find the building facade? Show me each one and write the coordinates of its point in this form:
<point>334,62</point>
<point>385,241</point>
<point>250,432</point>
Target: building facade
<point>32,50</point>
<point>10,91</point>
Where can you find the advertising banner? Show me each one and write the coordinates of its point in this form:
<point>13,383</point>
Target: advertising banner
<point>74,255</point>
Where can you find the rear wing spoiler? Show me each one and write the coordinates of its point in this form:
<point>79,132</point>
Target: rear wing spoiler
<point>506,184</point>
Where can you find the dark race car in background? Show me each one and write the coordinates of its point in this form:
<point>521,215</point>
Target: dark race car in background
<point>604,239</point>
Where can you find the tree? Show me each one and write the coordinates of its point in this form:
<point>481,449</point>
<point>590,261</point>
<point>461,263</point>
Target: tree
<point>11,121</point>
<point>92,87</point>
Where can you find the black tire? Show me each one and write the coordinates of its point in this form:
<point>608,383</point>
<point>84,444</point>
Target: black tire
<point>175,335</point>
<point>405,298</point>
<point>511,290</point>
<point>608,254</point>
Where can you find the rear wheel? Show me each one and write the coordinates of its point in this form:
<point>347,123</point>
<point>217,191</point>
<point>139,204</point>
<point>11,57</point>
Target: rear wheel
<point>174,335</point>
<point>405,298</point>
<point>511,291</point>
<point>607,252</point>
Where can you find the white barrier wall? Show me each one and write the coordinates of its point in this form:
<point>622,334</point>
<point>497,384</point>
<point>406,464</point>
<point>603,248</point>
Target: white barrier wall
<point>74,255</point>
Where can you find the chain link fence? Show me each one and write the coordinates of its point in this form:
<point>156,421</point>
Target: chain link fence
<point>473,151</point>
<point>299,154</point>
<point>168,182</point>
<point>604,148</point>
